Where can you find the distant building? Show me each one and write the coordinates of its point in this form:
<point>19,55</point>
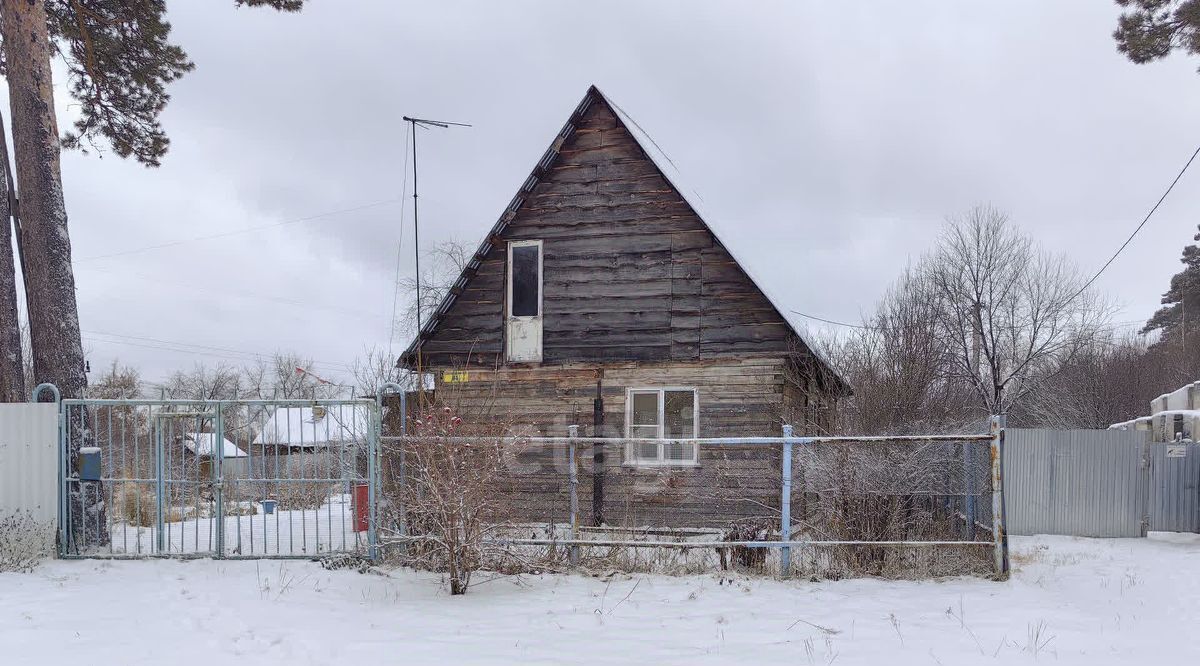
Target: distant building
<point>202,447</point>
<point>1174,416</point>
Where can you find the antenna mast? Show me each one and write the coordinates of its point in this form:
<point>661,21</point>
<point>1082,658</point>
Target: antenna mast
<point>423,123</point>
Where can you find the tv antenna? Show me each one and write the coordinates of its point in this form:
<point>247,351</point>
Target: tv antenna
<point>423,123</point>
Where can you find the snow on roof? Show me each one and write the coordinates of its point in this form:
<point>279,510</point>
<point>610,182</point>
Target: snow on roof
<point>1124,425</point>
<point>203,444</point>
<point>315,427</point>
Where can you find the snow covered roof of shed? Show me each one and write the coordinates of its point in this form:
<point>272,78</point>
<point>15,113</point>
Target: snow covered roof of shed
<point>669,171</point>
<point>315,427</point>
<point>203,444</point>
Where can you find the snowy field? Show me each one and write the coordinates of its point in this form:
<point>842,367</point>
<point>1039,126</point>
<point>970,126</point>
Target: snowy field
<point>1070,601</point>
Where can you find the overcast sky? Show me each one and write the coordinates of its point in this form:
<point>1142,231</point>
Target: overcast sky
<point>833,138</point>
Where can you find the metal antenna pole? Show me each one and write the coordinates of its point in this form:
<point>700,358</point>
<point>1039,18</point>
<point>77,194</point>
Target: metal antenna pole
<point>424,123</point>
<point>416,235</point>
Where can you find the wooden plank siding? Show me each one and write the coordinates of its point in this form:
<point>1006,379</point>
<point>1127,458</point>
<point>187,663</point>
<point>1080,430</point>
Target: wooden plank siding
<point>637,292</point>
<point>630,272</point>
<point>737,397</point>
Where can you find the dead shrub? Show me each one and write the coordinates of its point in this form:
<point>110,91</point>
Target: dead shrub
<point>134,504</point>
<point>752,559</point>
<point>24,542</point>
<point>450,492</point>
<point>302,495</point>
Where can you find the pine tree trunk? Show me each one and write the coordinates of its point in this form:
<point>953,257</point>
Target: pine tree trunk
<point>49,281</point>
<point>46,245</point>
<point>12,365</point>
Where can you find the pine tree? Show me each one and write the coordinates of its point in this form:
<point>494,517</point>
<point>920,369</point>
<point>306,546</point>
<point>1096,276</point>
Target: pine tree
<point>12,362</point>
<point>1151,29</point>
<point>119,61</point>
<point>1180,314</point>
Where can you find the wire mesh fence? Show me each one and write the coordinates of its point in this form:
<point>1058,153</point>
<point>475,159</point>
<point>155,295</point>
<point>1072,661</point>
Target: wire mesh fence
<point>225,478</point>
<point>907,507</point>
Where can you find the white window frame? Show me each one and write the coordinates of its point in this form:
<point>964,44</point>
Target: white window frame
<point>535,321</point>
<point>524,243</point>
<point>631,457</point>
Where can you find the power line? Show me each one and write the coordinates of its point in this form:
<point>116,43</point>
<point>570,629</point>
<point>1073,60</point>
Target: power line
<point>227,234</point>
<point>1103,268</point>
<point>236,293</point>
<point>399,243</point>
<point>1139,227</point>
<point>835,323</point>
<point>205,350</point>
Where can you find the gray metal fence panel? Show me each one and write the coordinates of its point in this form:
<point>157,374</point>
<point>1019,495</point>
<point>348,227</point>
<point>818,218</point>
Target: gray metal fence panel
<point>1175,487</point>
<point>29,463</point>
<point>1075,482</point>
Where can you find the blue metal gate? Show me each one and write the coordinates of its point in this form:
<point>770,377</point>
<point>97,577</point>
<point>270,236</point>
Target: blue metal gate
<point>218,478</point>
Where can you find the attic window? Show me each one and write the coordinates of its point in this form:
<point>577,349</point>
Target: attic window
<point>524,321</point>
<point>526,283</point>
<point>669,415</point>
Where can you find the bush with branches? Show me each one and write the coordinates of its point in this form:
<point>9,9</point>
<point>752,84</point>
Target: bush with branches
<point>450,491</point>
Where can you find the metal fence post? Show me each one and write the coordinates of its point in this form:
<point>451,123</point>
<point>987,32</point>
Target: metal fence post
<point>969,482</point>
<point>160,487</point>
<point>572,433</point>
<point>218,481</point>
<point>999,526</point>
<point>373,452</point>
<point>785,504</point>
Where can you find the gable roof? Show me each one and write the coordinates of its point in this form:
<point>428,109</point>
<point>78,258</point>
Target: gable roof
<point>203,444</point>
<point>315,427</point>
<point>668,171</point>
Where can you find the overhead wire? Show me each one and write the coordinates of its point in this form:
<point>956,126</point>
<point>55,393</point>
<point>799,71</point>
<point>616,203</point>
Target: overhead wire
<point>1091,280</point>
<point>399,243</point>
<point>235,232</point>
<point>1139,226</point>
<point>205,350</point>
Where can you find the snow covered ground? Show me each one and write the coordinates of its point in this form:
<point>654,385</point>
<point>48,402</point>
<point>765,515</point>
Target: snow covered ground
<point>1070,601</point>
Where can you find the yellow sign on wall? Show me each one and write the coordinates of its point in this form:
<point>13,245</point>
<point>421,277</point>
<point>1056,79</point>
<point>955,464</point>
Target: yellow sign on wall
<point>455,377</point>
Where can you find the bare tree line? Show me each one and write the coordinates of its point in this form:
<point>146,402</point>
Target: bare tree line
<point>989,322</point>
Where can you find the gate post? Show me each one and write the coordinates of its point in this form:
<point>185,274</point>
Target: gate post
<point>159,487</point>
<point>785,504</point>
<point>218,481</point>
<point>572,433</point>
<point>999,525</point>
<point>376,428</point>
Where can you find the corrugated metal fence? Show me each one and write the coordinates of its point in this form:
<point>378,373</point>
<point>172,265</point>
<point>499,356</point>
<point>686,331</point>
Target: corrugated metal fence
<point>1099,483</point>
<point>29,463</point>
<point>1175,487</point>
<point>1076,482</point>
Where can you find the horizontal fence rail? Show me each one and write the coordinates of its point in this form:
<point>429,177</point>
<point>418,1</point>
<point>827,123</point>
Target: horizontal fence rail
<point>791,495</point>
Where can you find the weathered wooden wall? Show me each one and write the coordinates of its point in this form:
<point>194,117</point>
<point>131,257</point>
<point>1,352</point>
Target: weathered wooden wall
<point>630,272</point>
<point>737,397</point>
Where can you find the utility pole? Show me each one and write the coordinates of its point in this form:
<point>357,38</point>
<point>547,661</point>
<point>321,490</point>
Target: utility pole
<point>423,123</point>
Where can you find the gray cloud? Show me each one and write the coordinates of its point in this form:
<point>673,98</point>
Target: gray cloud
<point>833,138</point>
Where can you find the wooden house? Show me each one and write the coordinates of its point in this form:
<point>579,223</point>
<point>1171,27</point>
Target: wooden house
<point>602,298</point>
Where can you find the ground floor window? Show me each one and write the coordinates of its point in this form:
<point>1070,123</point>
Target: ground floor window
<point>668,415</point>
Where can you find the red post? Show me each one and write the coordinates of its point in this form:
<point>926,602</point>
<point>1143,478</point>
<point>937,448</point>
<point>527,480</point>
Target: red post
<point>361,505</point>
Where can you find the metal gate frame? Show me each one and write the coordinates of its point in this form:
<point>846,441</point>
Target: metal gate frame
<point>72,487</point>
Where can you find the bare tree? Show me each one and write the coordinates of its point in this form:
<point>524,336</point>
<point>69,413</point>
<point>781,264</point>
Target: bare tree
<point>220,382</point>
<point>375,368</point>
<point>897,364</point>
<point>1010,313</point>
<point>288,375</point>
<point>446,262</point>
